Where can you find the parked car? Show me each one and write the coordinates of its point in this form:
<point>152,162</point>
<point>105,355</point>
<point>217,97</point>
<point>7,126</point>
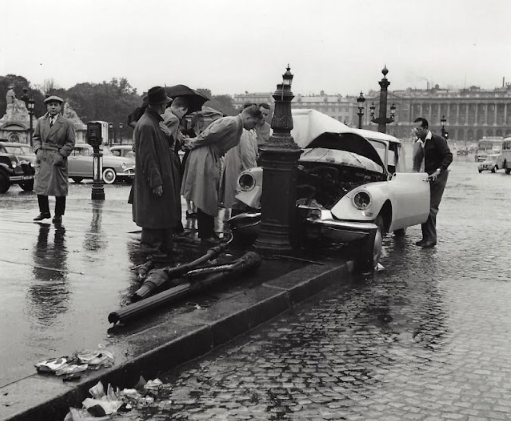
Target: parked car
<point>17,162</point>
<point>492,162</point>
<point>125,151</point>
<point>80,165</point>
<point>350,188</point>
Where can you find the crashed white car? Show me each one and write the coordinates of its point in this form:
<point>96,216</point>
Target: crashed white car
<point>351,187</point>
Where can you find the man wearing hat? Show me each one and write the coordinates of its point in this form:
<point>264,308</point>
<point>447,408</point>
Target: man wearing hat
<point>156,203</point>
<point>54,140</point>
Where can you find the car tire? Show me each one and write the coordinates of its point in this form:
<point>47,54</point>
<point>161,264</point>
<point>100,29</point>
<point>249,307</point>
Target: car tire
<point>507,171</point>
<point>480,171</point>
<point>400,232</point>
<point>77,179</point>
<point>371,248</point>
<point>109,176</point>
<point>494,170</point>
<point>27,185</point>
<point>4,182</point>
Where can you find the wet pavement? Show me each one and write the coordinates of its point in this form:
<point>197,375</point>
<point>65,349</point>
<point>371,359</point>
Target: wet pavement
<point>428,338</point>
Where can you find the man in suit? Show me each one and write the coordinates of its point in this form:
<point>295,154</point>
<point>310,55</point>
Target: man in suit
<point>434,151</point>
<point>54,140</point>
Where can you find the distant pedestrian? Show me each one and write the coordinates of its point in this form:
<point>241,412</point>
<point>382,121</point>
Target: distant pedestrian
<point>436,155</point>
<point>203,168</point>
<point>156,196</point>
<point>54,140</point>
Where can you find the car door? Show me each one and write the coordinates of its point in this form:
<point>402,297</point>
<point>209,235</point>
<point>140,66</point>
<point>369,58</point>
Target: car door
<point>80,162</point>
<point>410,196</point>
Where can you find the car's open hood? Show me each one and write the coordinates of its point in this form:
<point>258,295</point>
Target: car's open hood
<point>312,129</point>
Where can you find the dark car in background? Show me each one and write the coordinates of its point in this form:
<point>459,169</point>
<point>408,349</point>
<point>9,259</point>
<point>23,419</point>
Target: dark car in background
<point>16,166</point>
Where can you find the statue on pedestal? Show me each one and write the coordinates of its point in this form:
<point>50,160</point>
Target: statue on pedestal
<point>16,109</point>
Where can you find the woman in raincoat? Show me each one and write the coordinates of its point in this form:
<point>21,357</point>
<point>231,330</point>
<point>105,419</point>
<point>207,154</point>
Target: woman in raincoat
<point>54,140</point>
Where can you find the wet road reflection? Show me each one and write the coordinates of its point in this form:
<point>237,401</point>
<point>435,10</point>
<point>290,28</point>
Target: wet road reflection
<point>48,294</point>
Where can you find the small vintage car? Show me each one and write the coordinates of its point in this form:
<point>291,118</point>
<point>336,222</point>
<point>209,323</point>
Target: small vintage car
<point>492,162</point>
<point>16,166</point>
<point>350,188</point>
<point>80,165</point>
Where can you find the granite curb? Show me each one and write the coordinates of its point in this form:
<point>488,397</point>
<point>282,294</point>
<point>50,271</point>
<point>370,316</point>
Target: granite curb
<point>168,345</point>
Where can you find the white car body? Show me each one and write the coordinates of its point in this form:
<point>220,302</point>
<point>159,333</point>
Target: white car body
<point>398,199</point>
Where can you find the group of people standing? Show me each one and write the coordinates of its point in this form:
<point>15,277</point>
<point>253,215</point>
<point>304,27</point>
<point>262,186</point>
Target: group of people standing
<point>159,182</point>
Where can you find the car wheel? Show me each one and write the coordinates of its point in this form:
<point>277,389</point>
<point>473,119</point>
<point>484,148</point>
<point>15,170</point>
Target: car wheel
<point>480,171</point>
<point>109,175</point>
<point>400,232</point>
<point>77,179</point>
<point>4,182</point>
<point>507,171</point>
<point>494,169</point>
<point>371,248</point>
<point>27,185</point>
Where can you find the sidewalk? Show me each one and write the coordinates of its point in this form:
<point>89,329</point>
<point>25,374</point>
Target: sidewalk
<point>100,245</point>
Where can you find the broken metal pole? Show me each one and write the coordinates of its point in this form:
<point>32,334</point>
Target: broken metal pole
<point>247,262</point>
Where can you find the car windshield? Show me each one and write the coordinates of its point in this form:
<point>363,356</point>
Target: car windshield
<point>18,150</point>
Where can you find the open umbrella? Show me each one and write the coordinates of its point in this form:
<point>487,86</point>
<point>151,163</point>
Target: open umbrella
<point>196,99</point>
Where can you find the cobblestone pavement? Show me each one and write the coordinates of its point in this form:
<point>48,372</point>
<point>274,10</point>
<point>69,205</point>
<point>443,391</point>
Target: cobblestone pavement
<point>428,338</point>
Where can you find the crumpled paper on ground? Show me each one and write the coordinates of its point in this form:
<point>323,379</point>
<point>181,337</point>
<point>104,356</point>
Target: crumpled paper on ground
<point>106,406</point>
<point>78,362</point>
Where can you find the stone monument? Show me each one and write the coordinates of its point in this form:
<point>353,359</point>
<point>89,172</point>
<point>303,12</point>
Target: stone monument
<point>15,124</point>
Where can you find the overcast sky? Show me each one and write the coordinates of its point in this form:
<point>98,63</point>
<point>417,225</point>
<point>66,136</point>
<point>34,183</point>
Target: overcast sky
<point>232,46</point>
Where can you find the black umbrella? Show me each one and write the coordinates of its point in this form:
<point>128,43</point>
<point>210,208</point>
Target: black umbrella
<point>196,99</point>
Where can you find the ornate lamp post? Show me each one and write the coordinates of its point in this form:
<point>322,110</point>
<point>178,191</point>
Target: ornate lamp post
<point>279,161</point>
<point>95,139</point>
<point>360,104</point>
<point>382,120</point>
<point>31,105</point>
<point>444,133</point>
<point>110,133</point>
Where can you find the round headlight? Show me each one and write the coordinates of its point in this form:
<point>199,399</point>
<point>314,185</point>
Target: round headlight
<point>14,164</point>
<point>124,166</point>
<point>362,200</point>
<point>246,182</point>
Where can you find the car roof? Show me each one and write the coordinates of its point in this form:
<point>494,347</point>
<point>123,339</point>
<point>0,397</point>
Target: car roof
<point>6,142</point>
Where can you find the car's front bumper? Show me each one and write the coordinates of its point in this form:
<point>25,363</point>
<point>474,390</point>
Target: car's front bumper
<point>127,173</point>
<point>248,224</point>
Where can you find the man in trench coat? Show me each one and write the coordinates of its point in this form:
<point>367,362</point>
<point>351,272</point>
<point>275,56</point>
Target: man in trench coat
<point>156,190</point>
<point>202,174</point>
<point>54,140</point>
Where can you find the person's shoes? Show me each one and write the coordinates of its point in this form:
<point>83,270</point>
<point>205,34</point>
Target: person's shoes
<point>57,219</point>
<point>420,243</point>
<point>428,244</point>
<point>41,216</point>
<point>210,241</point>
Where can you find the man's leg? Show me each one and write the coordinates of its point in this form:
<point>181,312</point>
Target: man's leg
<point>60,205</point>
<point>436,193</point>
<point>151,240</point>
<point>205,224</point>
<point>44,208</point>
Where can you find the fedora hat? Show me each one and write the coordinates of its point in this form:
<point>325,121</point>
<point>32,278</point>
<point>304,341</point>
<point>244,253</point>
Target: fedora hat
<point>157,95</point>
<point>54,98</point>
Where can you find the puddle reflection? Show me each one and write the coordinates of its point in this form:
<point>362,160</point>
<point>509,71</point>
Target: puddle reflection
<point>48,295</point>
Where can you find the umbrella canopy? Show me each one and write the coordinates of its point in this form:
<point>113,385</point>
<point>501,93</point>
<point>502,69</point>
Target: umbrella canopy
<point>196,99</point>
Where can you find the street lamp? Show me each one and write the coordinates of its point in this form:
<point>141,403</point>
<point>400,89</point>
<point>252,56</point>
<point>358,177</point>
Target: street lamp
<point>31,105</point>
<point>444,133</point>
<point>110,133</point>
<point>382,120</point>
<point>360,104</point>
<point>279,161</point>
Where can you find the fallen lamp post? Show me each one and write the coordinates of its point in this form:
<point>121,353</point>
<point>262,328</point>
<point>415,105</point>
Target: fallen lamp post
<point>247,262</point>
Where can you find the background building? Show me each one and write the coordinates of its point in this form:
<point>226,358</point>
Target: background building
<point>470,113</point>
